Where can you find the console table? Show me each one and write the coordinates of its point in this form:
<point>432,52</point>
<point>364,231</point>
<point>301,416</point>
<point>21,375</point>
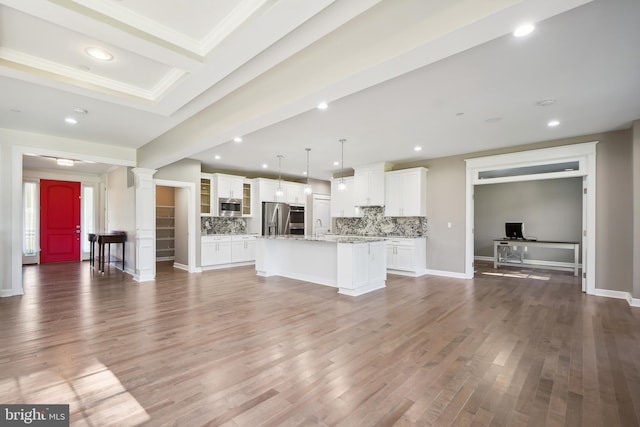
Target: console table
<point>505,243</point>
<point>105,240</point>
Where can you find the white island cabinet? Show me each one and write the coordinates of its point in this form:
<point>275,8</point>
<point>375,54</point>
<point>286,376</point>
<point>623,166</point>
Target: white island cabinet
<point>353,265</point>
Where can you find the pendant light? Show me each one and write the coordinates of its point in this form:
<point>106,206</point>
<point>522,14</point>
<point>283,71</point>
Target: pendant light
<point>342,186</point>
<point>279,191</point>
<point>307,187</point>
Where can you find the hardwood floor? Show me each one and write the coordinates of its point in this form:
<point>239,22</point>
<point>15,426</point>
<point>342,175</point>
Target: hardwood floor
<point>229,348</point>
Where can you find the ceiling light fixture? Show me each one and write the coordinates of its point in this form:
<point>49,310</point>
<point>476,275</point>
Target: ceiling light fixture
<point>546,102</point>
<point>71,120</point>
<point>336,163</point>
<point>217,157</point>
<point>64,162</point>
<point>279,191</point>
<point>524,30</point>
<point>417,148</point>
<point>99,54</point>
<point>264,166</point>
<point>323,106</point>
<point>553,123</point>
<point>342,186</point>
<point>307,187</point>
<point>237,139</point>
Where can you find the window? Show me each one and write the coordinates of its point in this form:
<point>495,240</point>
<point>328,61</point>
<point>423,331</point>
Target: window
<point>88,216</point>
<point>30,219</point>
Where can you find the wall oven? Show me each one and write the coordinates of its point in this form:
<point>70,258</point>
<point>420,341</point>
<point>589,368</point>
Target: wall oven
<point>229,207</point>
<point>296,225</point>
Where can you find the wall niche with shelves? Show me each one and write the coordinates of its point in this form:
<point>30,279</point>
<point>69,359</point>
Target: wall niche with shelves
<point>165,223</point>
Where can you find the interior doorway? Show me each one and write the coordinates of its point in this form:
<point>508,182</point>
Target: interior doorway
<point>176,223</point>
<point>577,160</point>
<point>59,221</point>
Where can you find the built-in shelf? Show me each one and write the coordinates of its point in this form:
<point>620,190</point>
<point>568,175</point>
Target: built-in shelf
<point>165,233</point>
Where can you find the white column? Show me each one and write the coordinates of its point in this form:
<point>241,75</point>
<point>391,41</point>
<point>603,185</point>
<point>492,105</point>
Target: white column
<point>145,199</point>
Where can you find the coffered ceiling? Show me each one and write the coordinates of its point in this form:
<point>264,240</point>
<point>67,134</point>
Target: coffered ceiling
<point>187,77</point>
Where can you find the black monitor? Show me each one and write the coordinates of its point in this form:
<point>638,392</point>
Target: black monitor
<point>514,230</point>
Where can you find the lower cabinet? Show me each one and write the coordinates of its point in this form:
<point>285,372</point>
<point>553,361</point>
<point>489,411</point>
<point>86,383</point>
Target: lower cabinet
<point>243,248</point>
<point>227,250</point>
<point>361,267</point>
<point>407,256</point>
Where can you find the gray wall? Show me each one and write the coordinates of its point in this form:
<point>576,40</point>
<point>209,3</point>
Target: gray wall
<point>614,207</point>
<point>549,209</point>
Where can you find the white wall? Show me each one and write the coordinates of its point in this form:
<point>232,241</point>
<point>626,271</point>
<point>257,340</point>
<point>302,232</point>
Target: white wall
<point>121,214</point>
<point>182,226</point>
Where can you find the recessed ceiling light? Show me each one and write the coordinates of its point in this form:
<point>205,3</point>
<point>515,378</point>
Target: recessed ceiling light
<point>71,120</point>
<point>553,123</point>
<point>546,102</point>
<point>237,139</point>
<point>79,110</point>
<point>523,30</point>
<point>460,114</point>
<point>217,157</point>
<point>336,163</point>
<point>417,148</point>
<point>99,54</point>
<point>264,166</point>
<point>323,106</point>
<point>64,162</point>
<point>304,172</point>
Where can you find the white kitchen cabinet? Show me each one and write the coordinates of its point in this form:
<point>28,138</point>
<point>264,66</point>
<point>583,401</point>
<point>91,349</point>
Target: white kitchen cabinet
<point>243,248</point>
<point>362,267</point>
<point>267,190</point>
<point>227,186</point>
<point>294,193</point>
<point>342,201</point>
<point>215,250</point>
<point>406,192</point>
<point>407,256</point>
<point>369,185</point>
<point>206,194</point>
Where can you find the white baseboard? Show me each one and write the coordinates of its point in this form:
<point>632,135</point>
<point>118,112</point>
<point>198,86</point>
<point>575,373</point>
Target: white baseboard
<point>4,293</point>
<point>218,267</point>
<point>180,266</point>
<point>446,274</point>
<point>633,302</point>
<point>407,273</point>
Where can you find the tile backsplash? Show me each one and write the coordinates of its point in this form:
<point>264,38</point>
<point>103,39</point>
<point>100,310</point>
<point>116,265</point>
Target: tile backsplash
<point>374,223</point>
<point>219,225</point>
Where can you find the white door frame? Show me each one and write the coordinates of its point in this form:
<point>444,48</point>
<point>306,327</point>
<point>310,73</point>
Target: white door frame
<point>191,222</point>
<point>584,154</point>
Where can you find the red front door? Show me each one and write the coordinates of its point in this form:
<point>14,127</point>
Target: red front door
<point>59,221</point>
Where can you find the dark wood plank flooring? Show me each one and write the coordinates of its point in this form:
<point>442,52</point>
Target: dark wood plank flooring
<point>225,347</point>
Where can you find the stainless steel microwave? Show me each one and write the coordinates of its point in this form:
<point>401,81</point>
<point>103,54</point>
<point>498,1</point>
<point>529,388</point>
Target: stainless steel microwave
<point>230,207</point>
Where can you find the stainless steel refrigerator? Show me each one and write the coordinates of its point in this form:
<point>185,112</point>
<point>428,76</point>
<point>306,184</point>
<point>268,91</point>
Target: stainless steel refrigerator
<point>275,218</point>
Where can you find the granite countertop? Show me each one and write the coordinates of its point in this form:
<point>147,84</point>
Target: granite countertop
<point>228,234</point>
<point>326,238</point>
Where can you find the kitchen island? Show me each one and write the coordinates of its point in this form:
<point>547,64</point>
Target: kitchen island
<point>353,265</point>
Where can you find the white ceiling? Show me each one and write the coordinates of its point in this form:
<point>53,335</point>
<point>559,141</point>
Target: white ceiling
<point>189,76</point>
